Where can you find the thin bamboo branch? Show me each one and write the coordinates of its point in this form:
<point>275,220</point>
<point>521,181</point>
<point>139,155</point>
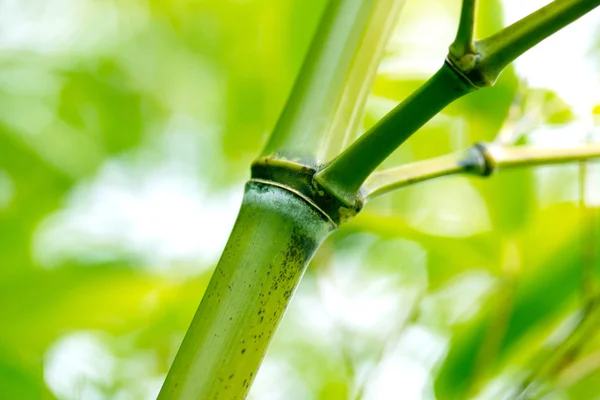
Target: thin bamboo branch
<point>460,75</point>
<point>346,174</point>
<point>463,43</point>
<point>392,179</point>
<point>502,48</point>
<point>518,156</point>
<point>481,159</point>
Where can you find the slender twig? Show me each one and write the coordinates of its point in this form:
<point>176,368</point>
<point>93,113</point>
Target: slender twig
<point>391,179</point>
<point>481,159</point>
<point>551,362</point>
<point>463,44</point>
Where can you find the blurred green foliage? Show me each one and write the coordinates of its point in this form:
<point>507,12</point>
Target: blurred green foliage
<point>126,132</point>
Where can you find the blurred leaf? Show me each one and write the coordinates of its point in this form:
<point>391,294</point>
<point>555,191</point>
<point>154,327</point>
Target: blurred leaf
<point>18,382</point>
<point>100,103</point>
<point>584,381</point>
<point>548,282</point>
<point>446,256</point>
<point>38,188</point>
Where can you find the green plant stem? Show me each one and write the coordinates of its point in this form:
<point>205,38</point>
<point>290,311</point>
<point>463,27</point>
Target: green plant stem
<point>388,180</point>
<point>332,78</point>
<point>348,117</point>
<point>480,159</point>
<point>502,48</point>
<point>273,239</point>
<point>346,174</point>
<point>463,43</point>
<point>560,355</point>
<point>460,75</point>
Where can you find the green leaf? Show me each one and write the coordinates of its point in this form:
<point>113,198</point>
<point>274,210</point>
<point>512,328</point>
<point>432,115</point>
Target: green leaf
<point>543,287</point>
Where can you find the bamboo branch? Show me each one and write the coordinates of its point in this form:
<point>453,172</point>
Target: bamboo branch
<point>392,179</point>
<point>499,50</point>
<point>460,75</point>
<point>481,159</point>
<point>346,174</point>
<point>463,43</point>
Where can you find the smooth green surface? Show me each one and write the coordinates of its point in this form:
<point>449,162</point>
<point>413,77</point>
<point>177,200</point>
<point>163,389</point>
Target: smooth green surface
<point>502,48</point>
<point>463,42</point>
<point>326,102</point>
<point>346,174</point>
<point>273,239</point>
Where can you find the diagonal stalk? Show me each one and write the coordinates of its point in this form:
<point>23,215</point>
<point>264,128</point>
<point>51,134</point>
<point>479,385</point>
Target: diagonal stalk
<point>481,159</point>
<point>280,225</point>
<point>502,48</point>
<point>288,210</point>
<point>460,75</point>
<point>463,43</point>
<point>337,73</point>
<point>348,116</point>
<point>273,239</point>
<point>347,172</point>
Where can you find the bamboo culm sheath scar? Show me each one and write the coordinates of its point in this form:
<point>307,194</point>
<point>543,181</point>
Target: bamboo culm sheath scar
<point>273,239</point>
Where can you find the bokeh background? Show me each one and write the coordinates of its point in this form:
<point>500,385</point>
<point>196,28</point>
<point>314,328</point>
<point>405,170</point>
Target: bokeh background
<point>126,133</point>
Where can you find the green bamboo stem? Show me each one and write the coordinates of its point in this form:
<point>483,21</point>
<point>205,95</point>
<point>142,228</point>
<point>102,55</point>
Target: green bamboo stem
<point>470,65</point>
<point>481,159</point>
<point>346,174</point>
<point>280,225</point>
<point>519,156</point>
<point>281,222</point>
<point>347,119</point>
<point>273,239</point>
<point>340,64</point>
<point>499,50</point>
<point>463,43</point>
<point>392,179</point>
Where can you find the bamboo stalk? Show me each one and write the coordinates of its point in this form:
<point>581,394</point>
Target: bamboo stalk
<point>273,239</point>
<point>337,73</point>
<point>478,66</point>
<point>280,225</point>
<point>346,174</point>
<point>499,50</point>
